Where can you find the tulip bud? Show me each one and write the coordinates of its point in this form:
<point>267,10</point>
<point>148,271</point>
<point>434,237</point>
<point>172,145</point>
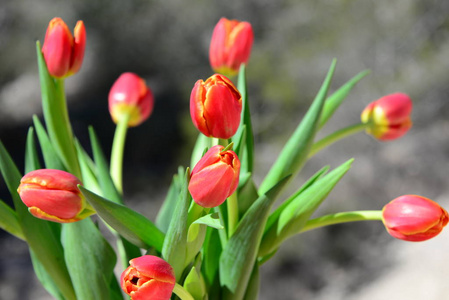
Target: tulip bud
<point>215,177</point>
<point>130,97</point>
<point>63,52</point>
<point>230,46</point>
<point>414,218</point>
<point>388,117</point>
<point>148,277</point>
<point>215,107</point>
<point>53,195</point>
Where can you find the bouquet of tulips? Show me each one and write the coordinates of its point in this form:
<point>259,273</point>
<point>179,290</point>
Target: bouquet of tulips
<point>217,227</point>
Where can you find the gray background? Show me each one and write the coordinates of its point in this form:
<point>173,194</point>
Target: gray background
<point>404,43</point>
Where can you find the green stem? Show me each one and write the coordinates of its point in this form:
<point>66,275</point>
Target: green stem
<point>118,146</point>
<point>221,232</point>
<point>233,213</point>
<point>336,136</point>
<point>343,217</point>
<point>182,293</point>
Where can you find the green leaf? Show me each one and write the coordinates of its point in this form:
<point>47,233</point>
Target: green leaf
<point>194,284</point>
<point>252,290</point>
<point>89,179</point>
<point>175,243</point>
<point>9,221</point>
<point>294,216</point>
<point>131,225</point>
<point>336,99</point>
<point>211,254</point>
<point>31,157</point>
<point>51,158</point>
<point>39,235</point>
<point>45,278</point>
<point>90,259</point>
<point>247,192</point>
<point>56,116</point>
<point>245,129</point>
<point>211,220</point>
<point>107,185</point>
<point>165,214</point>
<point>202,142</point>
<point>240,253</point>
<point>294,154</point>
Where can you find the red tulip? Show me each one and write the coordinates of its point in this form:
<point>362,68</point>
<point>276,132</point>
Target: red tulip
<point>63,52</point>
<point>388,117</point>
<point>414,218</point>
<point>215,177</point>
<point>230,46</point>
<point>53,195</point>
<point>130,97</point>
<point>148,277</point>
<point>215,107</point>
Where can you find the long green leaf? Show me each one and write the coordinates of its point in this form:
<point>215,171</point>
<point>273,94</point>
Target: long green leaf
<point>90,259</point>
<point>175,243</point>
<point>295,215</point>
<point>31,157</point>
<point>131,225</point>
<point>56,116</point>
<point>9,221</point>
<point>240,253</point>
<point>294,154</point>
<point>336,99</point>
<point>165,214</point>
<point>51,159</point>
<point>39,234</point>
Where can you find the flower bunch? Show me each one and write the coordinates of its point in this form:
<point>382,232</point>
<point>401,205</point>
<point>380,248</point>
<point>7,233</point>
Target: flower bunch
<point>217,227</point>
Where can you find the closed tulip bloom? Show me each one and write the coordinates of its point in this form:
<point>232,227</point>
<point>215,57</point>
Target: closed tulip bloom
<point>230,46</point>
<point>64,52</point>
<point>53,195</point>
<point>148,277</point>
<point>215,177</point>
<point>414,218</point>
<point>130,97</point>
<point>388,117</point>
<point>215,107</point>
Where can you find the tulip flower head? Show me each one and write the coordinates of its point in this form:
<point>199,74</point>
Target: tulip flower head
<point>230,46</point>
<point>53,195</point>
<point>64,53</point>
<point>414,218</point>
<point>215,177</point>
<point>215,107</point>
<point>148,277</point>
<point>130,97</point>
<point>388,117</point>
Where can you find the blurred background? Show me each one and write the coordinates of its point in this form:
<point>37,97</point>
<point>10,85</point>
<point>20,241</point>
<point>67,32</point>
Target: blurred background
<point>404,43</point>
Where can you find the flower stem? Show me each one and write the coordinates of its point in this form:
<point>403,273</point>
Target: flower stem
<point>182,293</point>
<point>336,136</point>
<point>118,146</point>
<point>233,213</point>
<point>343,217</point>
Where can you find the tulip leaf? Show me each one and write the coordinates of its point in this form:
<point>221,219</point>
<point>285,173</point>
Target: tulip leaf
<point>90,259</point>
<point>295,215</point>
<point>56,116</point>
<point>194,284</point>
<point>211,253</point>
<point>202,142</point>
<point>247,192</point>
<point>252,291</point>
<point>31,157</point>
<point>211,220</point>
<point>106,183</point>
<point>38,233</point>
<point>45,278</point>
<point>245,129</point>
<point>294,154</point>
<point>337,98</point>
<point>175,243</point>
<point>51,159</point>
<point>239,255</point>
<point>130,224</point>
<point>9,221</point>
<point>165,214</point>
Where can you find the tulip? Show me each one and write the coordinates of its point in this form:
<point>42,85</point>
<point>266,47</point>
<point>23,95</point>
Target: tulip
<point>230,46</point>
<point>389,117</point>
<point>63,52</point>
<point>414,218</point>
<point>53,195</point>
<point>215,177</point>
<point>215,107</point>
<point>148,277</point>
<point>131,98</point>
